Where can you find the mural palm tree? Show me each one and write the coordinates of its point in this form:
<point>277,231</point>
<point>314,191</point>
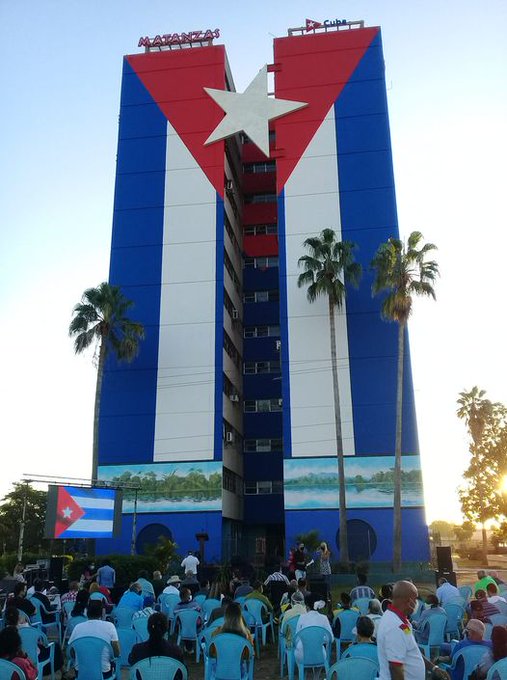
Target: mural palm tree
<point>403,271</point>
<point>328,268</point>
<point>100,319</point>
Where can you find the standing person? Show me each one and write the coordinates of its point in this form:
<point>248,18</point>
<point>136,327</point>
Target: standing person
<point>106,575</point>
<point>398,653</point>
<point>325,561</point>
<point>95,627</point>
<point>300,561</point>
<point>17,573</point>
<point>156,645</point>
<point>10,649</point>
<point>190,563</point>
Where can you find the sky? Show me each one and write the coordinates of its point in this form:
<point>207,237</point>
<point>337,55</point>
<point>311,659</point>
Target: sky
<point>60,82</point>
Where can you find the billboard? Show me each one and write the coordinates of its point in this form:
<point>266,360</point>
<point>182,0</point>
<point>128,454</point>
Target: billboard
<point>75,512</point>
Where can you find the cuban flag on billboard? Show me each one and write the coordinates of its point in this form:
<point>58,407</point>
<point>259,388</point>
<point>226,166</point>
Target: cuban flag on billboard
<point>75,512</point>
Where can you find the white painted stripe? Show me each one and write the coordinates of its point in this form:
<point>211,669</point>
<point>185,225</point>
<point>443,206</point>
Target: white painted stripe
<point>312,203</point>
<point>92,525</point>
<point>186,356</point>
<point>97,503</point>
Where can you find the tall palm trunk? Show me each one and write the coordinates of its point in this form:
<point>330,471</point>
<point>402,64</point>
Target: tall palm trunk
<point>96,412</point>
<point>397,452</point>
<point>344,546</point>
<point>484,543</point>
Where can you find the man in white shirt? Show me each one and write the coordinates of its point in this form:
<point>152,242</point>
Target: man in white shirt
<point>95,627</point>
<point>446,591</point>
<point>399,656</point>
<point>173,585</point>
<point>190,563</point>
<point>312,618</point>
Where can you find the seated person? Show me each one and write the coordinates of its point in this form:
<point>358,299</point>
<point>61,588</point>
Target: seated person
<point>492,594</point>
<point>156,645</point>
<point>386,595</point>
<point>10,649</point>
<point>362,589</point>
<point>234,624</point>
<point>18,599</point>
<point>474,633</point>
<point>258,594</point>
<point>480,608</point>
<point>96,627</point>
<point>375,613</point>
<point>13,618</point>
<point>133,598</point>
<point>80,604</point>
<point>422,630</point>
<point>48,616</point>
<point>498,651</point>
<point>219,612</point>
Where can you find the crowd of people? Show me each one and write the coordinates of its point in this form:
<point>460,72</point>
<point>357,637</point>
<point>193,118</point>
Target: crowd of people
<point>390,628</point>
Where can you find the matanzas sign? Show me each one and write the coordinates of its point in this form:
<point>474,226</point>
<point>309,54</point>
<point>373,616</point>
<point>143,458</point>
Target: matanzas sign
<point>179,38</point>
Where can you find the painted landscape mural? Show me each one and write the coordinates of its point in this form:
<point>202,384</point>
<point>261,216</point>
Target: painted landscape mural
<point>169,487</point>
<point>312,483</point>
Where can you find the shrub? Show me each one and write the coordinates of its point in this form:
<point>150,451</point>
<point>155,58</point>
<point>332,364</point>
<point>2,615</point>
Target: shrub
<point>127,566</point>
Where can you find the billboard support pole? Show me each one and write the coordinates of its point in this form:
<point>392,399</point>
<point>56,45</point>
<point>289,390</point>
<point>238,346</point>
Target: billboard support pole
<point>134,525</point>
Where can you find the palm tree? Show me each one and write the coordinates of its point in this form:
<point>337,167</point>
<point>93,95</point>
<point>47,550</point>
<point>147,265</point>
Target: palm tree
<point>475,411</point>
<point>403,271</point>
<point>328,268</point>
<point>100,318</point>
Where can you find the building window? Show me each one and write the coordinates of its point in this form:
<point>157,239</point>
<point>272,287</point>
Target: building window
<point>231,481</point>
<point>229,306</point>
<point>231,350</point>
<point>263,405</point>
<point>228,387</point>
<point>262,167</point>
<point>256,367</point>
<point>260,229</point>
<point>263,487</point>
<point>262,445</point>
<point>232,235</point>
<point>232,272</point>
<point>260,262</point>
<point>261,332</point>
<point>261,296</point>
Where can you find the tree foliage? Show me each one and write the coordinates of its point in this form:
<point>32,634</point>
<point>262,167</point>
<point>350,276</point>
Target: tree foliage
<point>481,496</point>
<point>11,513</point>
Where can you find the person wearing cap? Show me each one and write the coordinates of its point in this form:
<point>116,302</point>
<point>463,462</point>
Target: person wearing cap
<point>399,655</point>
<point>474,633</point>
<point>297,607</point>
<point>173,585</point>
<point>312,617</point>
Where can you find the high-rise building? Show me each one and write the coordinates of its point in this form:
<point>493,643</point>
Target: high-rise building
<point>226,420</point>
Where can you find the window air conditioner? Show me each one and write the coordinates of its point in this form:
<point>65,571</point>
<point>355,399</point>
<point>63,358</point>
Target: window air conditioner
<point>234,397</point>
<point>229,185</point>
<point>280,402</point>
<point>235,314</point>
<point>278,345</point>
<point>229,437</point>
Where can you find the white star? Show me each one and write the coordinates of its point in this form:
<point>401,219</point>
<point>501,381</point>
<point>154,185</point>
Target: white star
<point>250,111</point>
<point>67,512</point>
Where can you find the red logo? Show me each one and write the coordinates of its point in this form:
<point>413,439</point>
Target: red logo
<point>312,25</point>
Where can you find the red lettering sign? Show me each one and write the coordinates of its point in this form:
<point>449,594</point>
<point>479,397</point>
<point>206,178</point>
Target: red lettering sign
<point>179,38</point>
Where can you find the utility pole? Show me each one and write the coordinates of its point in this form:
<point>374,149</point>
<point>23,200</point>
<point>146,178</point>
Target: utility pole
<point>22,525</point>
<point>134,524</point>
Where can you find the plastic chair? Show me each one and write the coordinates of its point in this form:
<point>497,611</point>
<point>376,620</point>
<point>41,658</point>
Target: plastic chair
<point>436,633</point>
<point>168,602</point>
<point>123,617</point>
<point>67,608</point>
<point>199,598</point>
<point>455,614</point>
<point>188,625</point>
<point>259,611</point>
<point>228,662</point>
<point>7,670</point>
<point>285,638</point>
<point>457,600</point>
<point>502,606</point>
<point>208,606</point>
<point>498,619</point>
<point>362,604</point>
<point>157,668</point>
<point>140,625</point>
<point>37,617</point>
<point>127,637</point>
<point>418,611</point>
<point>466,592</point>
<point>498,670</point>
<point>88,657</point>
<point>311,648</point>
<point>354,669</point>
<point>241,599</point>
<point>71,624</point>
<point>29,639</point>
<point>363,650</point>
<point>469,656</point>
<point>348,620</point>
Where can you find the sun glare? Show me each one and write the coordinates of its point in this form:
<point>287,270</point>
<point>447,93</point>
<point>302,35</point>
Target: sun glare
<point>503,485</point>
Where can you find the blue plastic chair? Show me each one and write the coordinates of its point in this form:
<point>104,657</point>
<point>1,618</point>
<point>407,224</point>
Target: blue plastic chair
<point>123,617</point>
<point>259,611</point>
<point>455,614</point>
<point>498,670</point>
<point>87,652</point>
<point>199,598</point>
<point>362,604</point>
<point>71,624</point>
<point>208,606</point>
<point>435,625</point>
<point>67,608</point>
<point>315,644</point>
<point>29,639</point>
<point>157,668</point>
<point>457,600</point>
<point>228,662</point>
<point>127,637</point>
<point>285,639</point>
<point>416,615</point>
<point>7,670</point>
<point>498,619</point>
<point>466,592</point>
<point>348,620</point>
<point>187,623</point>
<point>168,602</point>
<point>502,606</point>
<point>54,616</point>
<point>354,669</point>
<point>363,650</point>
<point>469,657</point>
<point>140,625</point>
